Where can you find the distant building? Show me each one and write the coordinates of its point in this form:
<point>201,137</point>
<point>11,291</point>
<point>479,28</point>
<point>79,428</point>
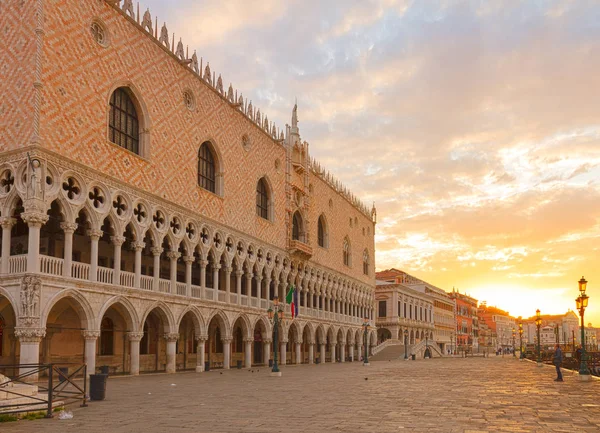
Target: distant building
<point>467,324</point>
<point>565,330</point>
<point>443,306</point>
<point>496,327</point>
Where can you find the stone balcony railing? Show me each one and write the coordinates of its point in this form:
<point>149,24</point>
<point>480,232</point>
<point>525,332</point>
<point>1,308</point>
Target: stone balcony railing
<point>81,271</point>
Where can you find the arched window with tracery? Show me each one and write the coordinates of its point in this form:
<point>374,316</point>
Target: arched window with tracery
<point>347,252</point>
<point>262,199</point>
<point>107,332</point>
<point>366,262</point>
<point>297,229</point>
<point>322,235</point>
<point>207,174</point>
<point>123,122</point>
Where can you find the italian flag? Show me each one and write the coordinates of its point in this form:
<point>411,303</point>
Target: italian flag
<point>292,299</point>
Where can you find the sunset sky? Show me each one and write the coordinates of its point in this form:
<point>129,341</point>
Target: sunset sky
<point>473,126</point>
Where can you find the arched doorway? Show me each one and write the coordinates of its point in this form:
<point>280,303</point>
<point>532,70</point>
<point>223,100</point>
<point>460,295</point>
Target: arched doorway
<point>153,355</point>
<point>8,343</point>
<point>215,350</point>
<point>113,344</point>
<point>383,334</point>
<point>238,346</point>
<point>187,350</point>
<point>321,340</point>
<point>306,344</point>
<point>258,347</point>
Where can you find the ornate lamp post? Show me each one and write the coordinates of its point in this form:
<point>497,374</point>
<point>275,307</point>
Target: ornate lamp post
<point>522,352</point>
<point>366,328</point>
<point>538,323</point>
<point>582,303</point>
<point>514,335</point>
<point>406,344</point>
<point>275,315</point>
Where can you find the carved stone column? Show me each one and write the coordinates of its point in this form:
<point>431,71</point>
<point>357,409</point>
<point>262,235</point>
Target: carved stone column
<point>7,223</point>
<point>322,354</point>
<point>266,351</point>
<point>90,350</point>
<point>227,282</point>
<point>156,252</point>
<point>68,230</point>
<point>248,352</point>
<point>216,282</point>
<point>171,340</point>
<point>29,341</point>
<point>134,352</point>
<point>188,260</point>
<point>249,285</point>
<point>238,285</point>
<point>226,353</point>
<point>259,292</point>
<point>95,236</point>
<point>117,242</point>
<point>311,352</point>
<point>173,256</point>
<point>138,248</point>
<point>201,341</point>
<point>298,352</point>
<point>35,221</point>
<point>333,350</point>
<point>203,264</point>
<point>343,351</point>
<point>283,354</point>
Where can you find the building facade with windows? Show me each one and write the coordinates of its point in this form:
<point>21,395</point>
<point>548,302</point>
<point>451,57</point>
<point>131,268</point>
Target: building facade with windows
<point>150,215</point>
<point>399,309</point>
<point>496,328</point>
<point>443,306</point>
<point>467,324</point>
<point>565,330</point>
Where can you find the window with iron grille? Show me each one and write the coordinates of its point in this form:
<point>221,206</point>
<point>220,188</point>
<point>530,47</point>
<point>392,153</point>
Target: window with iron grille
<point>206,168</point>
<point>124,129</point>
<point>262,199</point>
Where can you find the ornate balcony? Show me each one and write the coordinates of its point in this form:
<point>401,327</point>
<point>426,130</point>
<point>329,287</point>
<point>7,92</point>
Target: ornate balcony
<point>300,249</point>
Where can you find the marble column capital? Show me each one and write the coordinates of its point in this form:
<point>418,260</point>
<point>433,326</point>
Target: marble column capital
<point>173,336</point>
<point>201,338</point>
<point>117,240</point>
<point>95,234</point>
<point>156,251</point>
<point>7,222</point>
<point>138,246</point>
<point>173,255</point>
<point>35,219</point>
<point>188,260</point>
<point>69,227</point>
<point>90,335</point>
<point>135,336</point>
<point>30,335</point>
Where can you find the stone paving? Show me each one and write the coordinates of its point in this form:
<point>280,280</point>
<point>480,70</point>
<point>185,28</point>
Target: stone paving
<point>439,395</point>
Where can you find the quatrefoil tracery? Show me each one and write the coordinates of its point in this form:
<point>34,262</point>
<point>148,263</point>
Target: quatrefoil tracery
<point>72,189</point>
<point>8,180</point>
<point>140,213</point>
<point>96,197</point>
<point>120,206</point>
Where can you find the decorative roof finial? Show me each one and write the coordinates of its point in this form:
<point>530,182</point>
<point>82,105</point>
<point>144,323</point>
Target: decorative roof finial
<point>164,36</point>
<point>295,115</point>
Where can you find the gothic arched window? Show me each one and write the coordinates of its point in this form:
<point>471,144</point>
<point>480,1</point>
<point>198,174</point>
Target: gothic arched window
<point>322,232</point>
<point>297,231</point>
<point>123,124</point>
<point>347,252</point>
<point>262,199</point>
<point>366,262</point>
<point>206,168</point>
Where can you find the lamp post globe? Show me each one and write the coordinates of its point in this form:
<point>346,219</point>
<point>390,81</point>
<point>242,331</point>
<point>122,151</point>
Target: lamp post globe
<point>582,302</point>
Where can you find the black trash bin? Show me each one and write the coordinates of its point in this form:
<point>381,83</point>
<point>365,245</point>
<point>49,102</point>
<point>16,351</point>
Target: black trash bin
<point>206,366</point>
<point>413,357</point>
<point>104,369</point>
<point>270,363</point>
<point>239,365</point>
<point>98,386</point>
<point>64,373</point>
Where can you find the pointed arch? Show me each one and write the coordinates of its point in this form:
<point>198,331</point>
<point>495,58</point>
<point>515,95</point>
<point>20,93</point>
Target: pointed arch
<point>347,252</point>
<point>264,199</point>
<point>222,321</point>
<point>80,305</point>
<point>125,308</point>
<point>164,313</point>
<point>125,101</point>
<point>197,319</point>
<point>323,232</point>
<point>247,327</point>
<point>210,168</point>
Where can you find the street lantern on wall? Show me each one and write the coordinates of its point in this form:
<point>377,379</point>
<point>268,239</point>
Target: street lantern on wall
<point>538,324</point>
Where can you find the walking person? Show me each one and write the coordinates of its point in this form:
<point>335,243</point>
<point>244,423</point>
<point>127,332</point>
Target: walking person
<point>557,361</point>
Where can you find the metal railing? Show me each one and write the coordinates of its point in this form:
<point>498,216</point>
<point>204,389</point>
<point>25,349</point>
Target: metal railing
<point>71,387</point>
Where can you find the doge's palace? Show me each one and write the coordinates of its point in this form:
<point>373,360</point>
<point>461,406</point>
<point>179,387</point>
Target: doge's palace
<point>150,213</point>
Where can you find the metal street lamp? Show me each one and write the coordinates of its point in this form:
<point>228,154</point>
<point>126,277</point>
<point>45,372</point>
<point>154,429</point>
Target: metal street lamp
<point>538,323</point>
<point>275,315</point>
<point>366,328</point>
<point>582,303</point>
<point>513,335</point>
<point>406,344</point>
<point>522,355</point>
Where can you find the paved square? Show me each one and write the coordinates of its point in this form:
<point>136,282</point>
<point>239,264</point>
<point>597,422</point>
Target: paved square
<point>439,395</point>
